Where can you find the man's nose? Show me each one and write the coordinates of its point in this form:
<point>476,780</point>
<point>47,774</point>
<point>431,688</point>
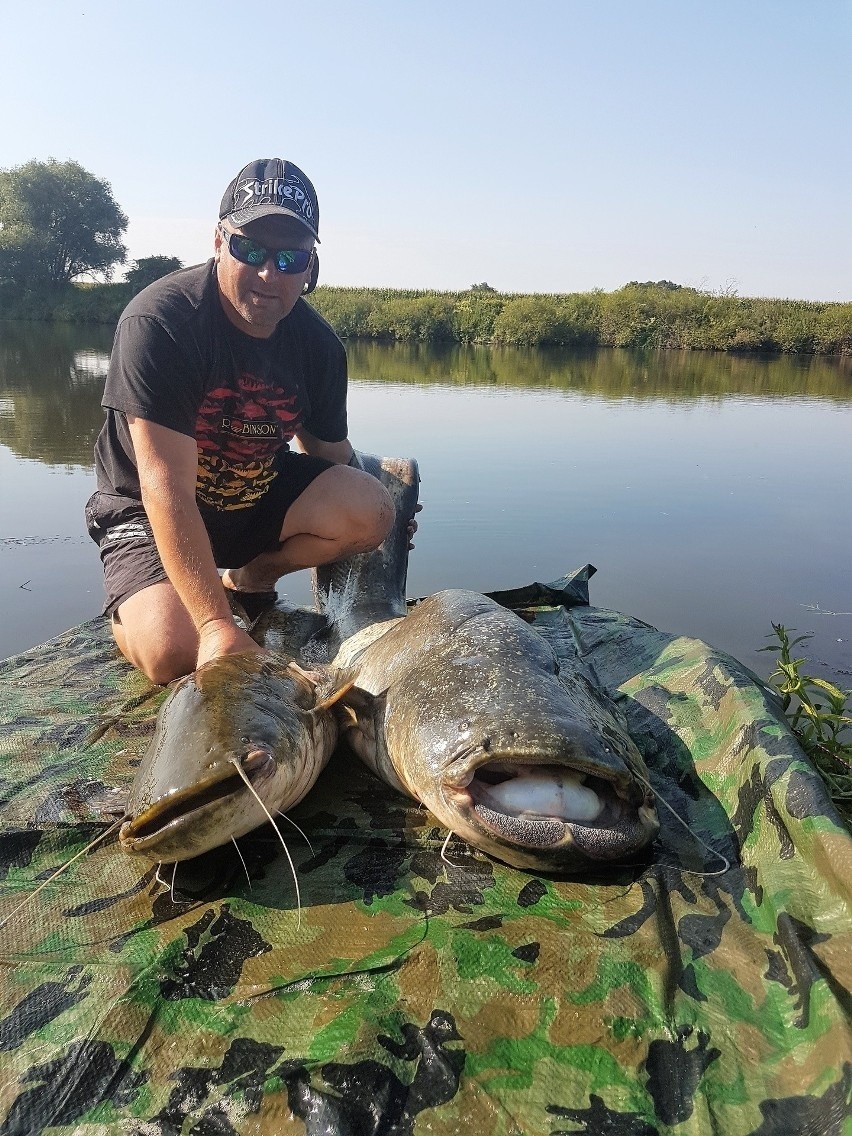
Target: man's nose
<point>267,270</point>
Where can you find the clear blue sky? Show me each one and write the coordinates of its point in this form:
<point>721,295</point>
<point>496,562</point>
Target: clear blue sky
<point>538,146</point>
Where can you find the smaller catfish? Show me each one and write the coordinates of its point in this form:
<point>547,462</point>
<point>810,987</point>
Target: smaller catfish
<point>463,706</point>
<point>241,738</point>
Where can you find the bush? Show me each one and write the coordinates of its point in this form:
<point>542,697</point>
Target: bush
<point>346,309</point>
<point>531,321</point>
<point>422,319</point>
<point>475,314</point>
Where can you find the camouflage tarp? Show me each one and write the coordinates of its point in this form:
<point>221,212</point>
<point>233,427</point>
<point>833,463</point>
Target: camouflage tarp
<point>703,991</point>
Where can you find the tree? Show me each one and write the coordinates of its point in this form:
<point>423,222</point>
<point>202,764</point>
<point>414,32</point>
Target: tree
<point>150,268</point>
<point>663,285</point>
<point>57,222</point>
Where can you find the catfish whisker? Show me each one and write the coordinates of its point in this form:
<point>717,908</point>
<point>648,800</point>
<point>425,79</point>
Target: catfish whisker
<point>239,853</point>
<point>60,870</point>
<point>444,856</point>
<point>172,888</point>
<point>291,821</point>
<point>254,793</point>
<point>694,835</point>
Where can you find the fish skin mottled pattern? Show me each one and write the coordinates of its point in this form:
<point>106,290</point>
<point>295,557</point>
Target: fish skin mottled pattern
<point>676,997</point>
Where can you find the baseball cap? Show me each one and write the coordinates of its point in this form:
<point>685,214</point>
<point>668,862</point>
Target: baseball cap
<point>269,186</point>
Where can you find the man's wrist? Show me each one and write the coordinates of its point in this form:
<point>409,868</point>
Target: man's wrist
<point>215,623</point>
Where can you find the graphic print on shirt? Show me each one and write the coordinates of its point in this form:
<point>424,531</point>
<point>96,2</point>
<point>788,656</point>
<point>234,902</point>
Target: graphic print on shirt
<point>238,431</point>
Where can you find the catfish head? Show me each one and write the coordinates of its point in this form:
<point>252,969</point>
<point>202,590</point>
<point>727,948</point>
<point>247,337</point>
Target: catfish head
<point>466,708</point>
<point>255,717</point>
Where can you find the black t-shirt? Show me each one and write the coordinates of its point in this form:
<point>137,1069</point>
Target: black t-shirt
<point>178,361</point>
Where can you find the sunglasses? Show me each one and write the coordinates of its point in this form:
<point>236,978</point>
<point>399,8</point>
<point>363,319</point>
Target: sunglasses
<point>247,251</point>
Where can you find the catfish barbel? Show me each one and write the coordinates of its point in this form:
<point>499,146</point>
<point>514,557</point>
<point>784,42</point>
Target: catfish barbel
<point>463,706</point>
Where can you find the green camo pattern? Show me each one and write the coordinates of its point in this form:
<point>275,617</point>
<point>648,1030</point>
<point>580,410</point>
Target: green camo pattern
<point>703,991</point>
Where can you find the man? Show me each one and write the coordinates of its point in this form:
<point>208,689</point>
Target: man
<point>214,370</point>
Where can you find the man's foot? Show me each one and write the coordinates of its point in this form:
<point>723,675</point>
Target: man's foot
<point>250,604</point>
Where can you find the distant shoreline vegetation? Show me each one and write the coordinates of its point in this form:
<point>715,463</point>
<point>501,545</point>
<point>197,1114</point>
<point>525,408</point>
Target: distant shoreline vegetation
<point>656,315</point>
<point>645,315</point>
<point>59,224</point>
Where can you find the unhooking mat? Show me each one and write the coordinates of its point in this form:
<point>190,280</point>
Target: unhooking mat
<point>704,990</point>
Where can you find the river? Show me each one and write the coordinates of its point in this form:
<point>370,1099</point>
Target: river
<point>710,491</point>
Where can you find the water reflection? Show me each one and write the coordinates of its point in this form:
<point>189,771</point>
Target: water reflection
<point>89,364</point>
<point>51,379</point>
<point>607,372</point>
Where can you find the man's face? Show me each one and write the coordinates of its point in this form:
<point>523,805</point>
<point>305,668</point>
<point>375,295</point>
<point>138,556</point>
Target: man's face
<point>257,298</point>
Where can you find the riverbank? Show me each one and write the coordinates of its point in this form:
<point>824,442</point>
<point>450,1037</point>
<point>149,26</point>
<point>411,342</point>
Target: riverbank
<point>649,315</point>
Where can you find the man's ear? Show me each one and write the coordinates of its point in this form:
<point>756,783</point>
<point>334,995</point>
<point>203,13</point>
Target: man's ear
<point>313,270</point>
<point>217,243</point>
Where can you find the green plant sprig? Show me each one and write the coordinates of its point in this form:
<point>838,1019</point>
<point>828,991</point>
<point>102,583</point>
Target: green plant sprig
<point>816,711</point>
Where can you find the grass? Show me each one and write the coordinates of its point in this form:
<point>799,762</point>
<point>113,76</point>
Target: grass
<point>817,713</point>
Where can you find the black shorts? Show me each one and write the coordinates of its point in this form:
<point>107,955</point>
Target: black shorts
<point>120,528</point>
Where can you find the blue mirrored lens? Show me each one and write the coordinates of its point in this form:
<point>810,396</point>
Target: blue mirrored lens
<point>291,260</point>
<point>247,251</point>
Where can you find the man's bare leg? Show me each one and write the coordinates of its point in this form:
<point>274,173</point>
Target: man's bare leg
<point>154,632</point>
<point>343,511</point>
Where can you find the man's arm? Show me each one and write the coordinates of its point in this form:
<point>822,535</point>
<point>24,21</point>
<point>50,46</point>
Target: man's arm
<point>340,452</point>
<point>168,463</point>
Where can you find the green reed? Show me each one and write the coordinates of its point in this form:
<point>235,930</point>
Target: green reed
<point>817,713</point>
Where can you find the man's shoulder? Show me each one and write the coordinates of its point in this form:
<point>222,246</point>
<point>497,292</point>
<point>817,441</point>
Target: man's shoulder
<point>175,299</point>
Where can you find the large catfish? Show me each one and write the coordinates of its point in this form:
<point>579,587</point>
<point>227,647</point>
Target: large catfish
<point>249,717</point>
<point>463,706</point>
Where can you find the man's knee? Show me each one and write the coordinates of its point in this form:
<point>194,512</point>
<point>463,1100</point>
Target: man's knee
<point>164,667</point>
<point>155,634</point>
<point>344,506</point>
<point>159,662</point>
<point>375,514</point>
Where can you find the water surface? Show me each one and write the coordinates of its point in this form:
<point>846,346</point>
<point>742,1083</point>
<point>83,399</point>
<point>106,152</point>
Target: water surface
<point>710,491</point>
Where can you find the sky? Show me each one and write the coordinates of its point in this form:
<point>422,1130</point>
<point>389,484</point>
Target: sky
<point>544,146</point>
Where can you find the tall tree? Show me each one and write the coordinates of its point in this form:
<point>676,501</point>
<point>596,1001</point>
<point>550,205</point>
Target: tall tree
<point>57,222</point>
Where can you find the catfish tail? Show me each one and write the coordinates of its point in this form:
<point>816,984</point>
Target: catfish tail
<point>369,587</point>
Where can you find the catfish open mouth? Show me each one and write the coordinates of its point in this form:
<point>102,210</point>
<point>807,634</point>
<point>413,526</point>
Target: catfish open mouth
<point>539,806</point>
<point>184,804</point>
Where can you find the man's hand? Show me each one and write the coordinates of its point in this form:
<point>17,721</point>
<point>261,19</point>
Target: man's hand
<point>412,527</point>
<point>220,637</point>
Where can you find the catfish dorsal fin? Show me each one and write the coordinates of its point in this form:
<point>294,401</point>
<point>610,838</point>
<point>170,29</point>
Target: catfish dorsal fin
<point>335,696</point>
<point>309,678</point>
